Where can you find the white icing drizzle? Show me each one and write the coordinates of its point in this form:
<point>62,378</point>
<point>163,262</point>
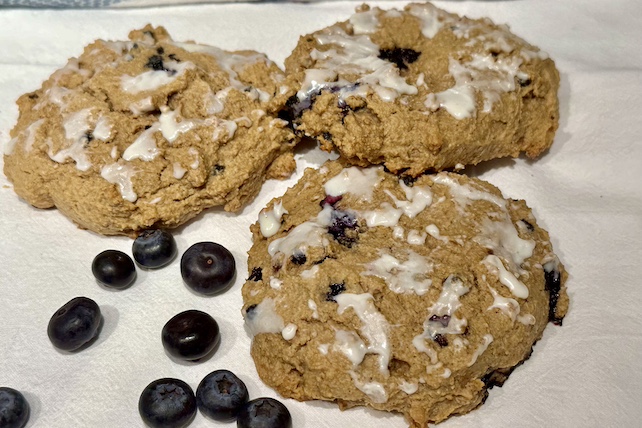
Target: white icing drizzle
<point>114,152</point>
<point>398,232</point>
<point>429,17</point>
<point>464,194</point>
<point>350,344</point>
<point>418,198</point>
<point>374,390</point>
<point>311,233</point>
<point>264,319</point>
<point>192,151</point>
<point>502,237</point>
<point>433,231</point>
<point>275,283</point>
<point>365,22</point>
<point>357,181</point>
<point>102,129</point>
<point>289,331</point>
<point>496,267</point>
<point>506,305</point>
<point>30,133</point>
<point>142,106</point>
<point>355,54</point>
<point>374,326</point>
<point>459,343</point>
<point>270,221</point>
<point>179,171</point>
<point>144,146</point>
<point>408,387</point>
<point>170,127</point>
<point>486,340</point>
<point>385,216</point>
<point>419,343</point>
<point>121,175</point>
<point>310,273</point>
<point>76,127</point>
<point>154,79</point>
<point>526,319</point>
<point>446,374</point>
<point>409,276</point>
<point>313,307</point>
<point>323,348</point>
<point>416,238</point>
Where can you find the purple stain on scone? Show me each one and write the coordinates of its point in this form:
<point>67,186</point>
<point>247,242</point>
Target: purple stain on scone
<point>443,319</point>
<point>330,200</point>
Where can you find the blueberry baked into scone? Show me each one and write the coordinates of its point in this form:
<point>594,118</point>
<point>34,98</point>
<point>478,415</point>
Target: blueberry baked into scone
<point>148,133</point>
<point>406,295</point>
<point>421,89</point>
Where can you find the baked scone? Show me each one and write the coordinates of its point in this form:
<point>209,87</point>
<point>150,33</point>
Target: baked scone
<point>149,132</point>
<point>407,296</point>
<point>421,89</point>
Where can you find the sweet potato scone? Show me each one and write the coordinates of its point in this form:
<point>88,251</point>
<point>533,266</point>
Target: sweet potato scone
<point>421,89</point>
<point>407,296</point>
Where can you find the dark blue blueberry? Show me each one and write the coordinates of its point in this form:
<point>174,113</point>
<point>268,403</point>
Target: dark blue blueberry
<point>155,62</point>
<point>114,269</point>
<point>220,395</point>
<point>529,226</point>
<point>335,290</point>
<point>298,258</point>
<point>441,340</point>
<point>408,180</point>
<point>250,311</point>
<point>342,223</point>
<point>154,248</point>
<point>553,284</point>
<point>14,408</point>
<point>167,403</point>
<point>264,413</point>
<point>190,335</point>
<point>401,57</point>
<point>208,268</point>
<point>256,275</point>
<point>74,324</point>
<point>218,169</point>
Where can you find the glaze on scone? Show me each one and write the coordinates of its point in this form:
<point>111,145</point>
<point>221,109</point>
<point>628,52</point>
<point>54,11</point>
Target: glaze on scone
<point>149,132</point>
<point>407,296</point>
<point>421,89</point>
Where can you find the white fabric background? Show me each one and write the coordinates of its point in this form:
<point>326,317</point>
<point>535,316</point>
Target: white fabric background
<point>586,191</point>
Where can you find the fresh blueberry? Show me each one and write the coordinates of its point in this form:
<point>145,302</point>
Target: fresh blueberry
<point>154,248</point>
<point>220,395</point>
<point>114,269</point>
<point>14,408</point>
<point>167,403</point>
<point>190,335</point>
<point>264,413</point>
<point>74,324</point>
<point>208,268</point>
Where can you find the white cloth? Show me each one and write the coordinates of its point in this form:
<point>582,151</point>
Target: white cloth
<point>586,191</point>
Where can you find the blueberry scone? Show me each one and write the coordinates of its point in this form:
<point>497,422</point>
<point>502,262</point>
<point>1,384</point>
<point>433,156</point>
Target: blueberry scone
<point>421,89</point>
<point>406,295</point>
<point>149,132</point>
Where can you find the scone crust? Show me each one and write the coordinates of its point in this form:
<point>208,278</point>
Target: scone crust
<point>148,133</point>
<point>409,316</point>
<point>422,89</point>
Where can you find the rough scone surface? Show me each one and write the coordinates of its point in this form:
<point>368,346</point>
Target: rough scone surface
<point>148,133</point>
<point>407,296</point>
<point>421,89</point>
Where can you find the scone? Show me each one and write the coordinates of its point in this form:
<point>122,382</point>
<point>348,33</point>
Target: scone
<point>421,90</point>
<point>148,133</point>
<point>407,296</point>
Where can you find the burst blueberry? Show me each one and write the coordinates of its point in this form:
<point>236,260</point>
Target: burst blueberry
<point>167,403</point>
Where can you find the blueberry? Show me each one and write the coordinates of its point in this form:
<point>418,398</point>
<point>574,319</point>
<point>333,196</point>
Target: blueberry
<point>264,413</point>
<point>401,57</point>
<point>14,408</point>
<point>220,395</point>
<point>553,284</point>
<point>155,62</point>
<point>298,258</point>
<point>335,290</point>
<point>208,268</point>
<point>154,248</point>
<point>256,275</point>
<point>167,403</point>
<point>343,227</point>
<point>74,324</point>
<point>114,269</point>
<point>190,335</point>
